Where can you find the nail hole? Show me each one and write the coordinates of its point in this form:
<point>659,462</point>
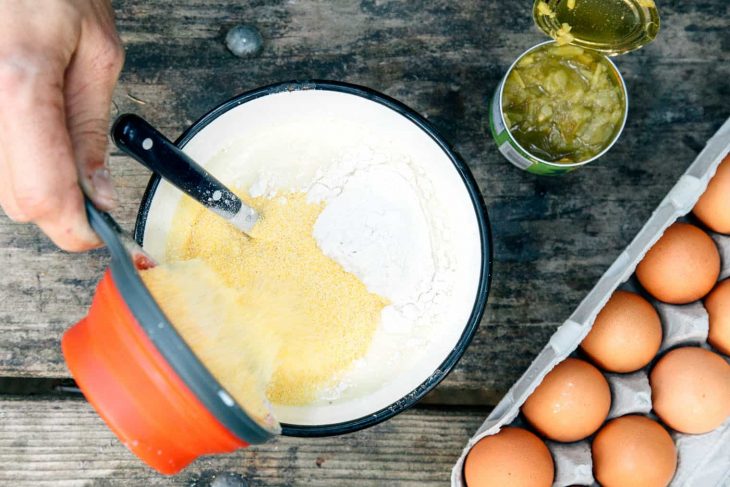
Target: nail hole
<point>147,144</point>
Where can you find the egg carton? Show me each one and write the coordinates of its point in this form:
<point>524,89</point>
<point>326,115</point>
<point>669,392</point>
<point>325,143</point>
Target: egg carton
<point>702,459</point>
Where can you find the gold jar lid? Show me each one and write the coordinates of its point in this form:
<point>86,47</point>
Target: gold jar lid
<point>608,26</point>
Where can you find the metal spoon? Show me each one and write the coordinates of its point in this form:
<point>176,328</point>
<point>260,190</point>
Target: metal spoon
<point>135,136</point>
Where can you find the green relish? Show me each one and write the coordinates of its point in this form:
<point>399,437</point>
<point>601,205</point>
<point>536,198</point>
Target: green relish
<point>563,104</point>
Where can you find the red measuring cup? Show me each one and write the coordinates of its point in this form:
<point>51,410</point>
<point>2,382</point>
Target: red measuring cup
<point>142,378</point>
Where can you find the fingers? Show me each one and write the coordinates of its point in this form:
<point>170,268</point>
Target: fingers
<point>38,169</point>
<point>7,195</point>
<point>58,68</point>
<point>89,84</point>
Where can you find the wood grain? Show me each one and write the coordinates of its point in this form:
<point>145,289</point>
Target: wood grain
<point>64,443</point>
<point>552,237</point>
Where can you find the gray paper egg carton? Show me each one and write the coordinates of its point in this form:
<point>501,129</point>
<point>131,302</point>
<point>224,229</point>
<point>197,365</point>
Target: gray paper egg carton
<point>704,460</point>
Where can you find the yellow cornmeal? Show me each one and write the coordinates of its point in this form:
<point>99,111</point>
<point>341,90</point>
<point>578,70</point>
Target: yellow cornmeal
<point>207,316</point>
<point>336,316</point>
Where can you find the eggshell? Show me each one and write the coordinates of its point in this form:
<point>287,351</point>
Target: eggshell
<point>717,304</point>
<point>633,451</point>
<point>682,266</point>
<point>626,334</point>
<point>713,207</point>
<point>514,457</point>
<point>571,403</point>
<point>690,390</point>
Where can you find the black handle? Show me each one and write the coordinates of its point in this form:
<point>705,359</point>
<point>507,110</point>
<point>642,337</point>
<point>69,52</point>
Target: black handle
<point>120,244</point>
<point>135,136</point>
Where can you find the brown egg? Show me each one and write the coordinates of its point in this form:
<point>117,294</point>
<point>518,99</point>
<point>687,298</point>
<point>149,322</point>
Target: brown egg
<point>717,304</point>
<point>514,457</point>
<point>633,451</point>
<point>571,402</point>
<point>626,335</point>
<point>690,390</point>
<point>713,207</point>
<point>682,267</point>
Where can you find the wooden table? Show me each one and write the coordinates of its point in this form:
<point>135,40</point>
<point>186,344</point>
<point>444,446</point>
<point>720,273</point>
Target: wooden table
<point>552,237</point>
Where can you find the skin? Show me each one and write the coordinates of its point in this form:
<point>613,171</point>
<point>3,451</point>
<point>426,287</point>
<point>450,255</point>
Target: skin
<point>58,67</point>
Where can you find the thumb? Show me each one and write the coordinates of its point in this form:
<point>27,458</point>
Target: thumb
<point>90,80</point>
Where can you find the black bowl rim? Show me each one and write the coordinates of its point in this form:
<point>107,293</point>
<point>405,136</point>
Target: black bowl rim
<point>479,208</point>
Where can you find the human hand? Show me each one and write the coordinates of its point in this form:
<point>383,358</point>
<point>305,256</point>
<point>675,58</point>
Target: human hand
<point>59,62</point>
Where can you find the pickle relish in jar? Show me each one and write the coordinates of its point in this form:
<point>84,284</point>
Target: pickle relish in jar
<point>563,104</point>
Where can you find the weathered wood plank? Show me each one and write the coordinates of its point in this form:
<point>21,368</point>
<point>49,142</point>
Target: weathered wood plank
<point>553,237</point>
<point>64,443</point>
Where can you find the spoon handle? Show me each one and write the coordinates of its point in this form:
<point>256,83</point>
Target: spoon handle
<point>147,145</point>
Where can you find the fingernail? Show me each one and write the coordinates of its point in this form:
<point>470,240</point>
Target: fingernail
<point>104,195</point>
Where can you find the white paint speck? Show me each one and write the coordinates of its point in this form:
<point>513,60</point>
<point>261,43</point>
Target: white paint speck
<point>147,144</point>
